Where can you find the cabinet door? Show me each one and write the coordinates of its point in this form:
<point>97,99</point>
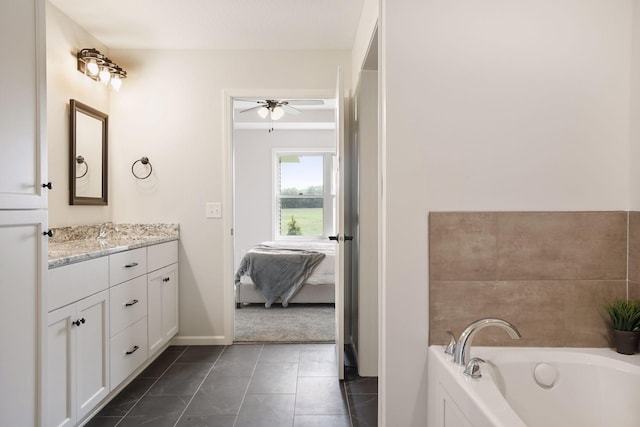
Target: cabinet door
<point>92,341</point>
<point>22,105</point>
<point>170,302</point>
<point>23,254</point>
<point>154,310</point>
<point>61,364</point>
<point>163,306</point>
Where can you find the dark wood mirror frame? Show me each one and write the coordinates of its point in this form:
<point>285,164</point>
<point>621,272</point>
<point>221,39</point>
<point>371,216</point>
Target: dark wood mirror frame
<point>76,107</point>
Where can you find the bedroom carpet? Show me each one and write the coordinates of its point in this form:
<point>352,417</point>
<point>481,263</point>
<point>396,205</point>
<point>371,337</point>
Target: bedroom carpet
<point>295,323</point>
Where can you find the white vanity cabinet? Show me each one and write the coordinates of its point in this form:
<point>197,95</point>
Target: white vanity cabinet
<point>78,341</point>
<point>107,317</point>
<point>162,292</point>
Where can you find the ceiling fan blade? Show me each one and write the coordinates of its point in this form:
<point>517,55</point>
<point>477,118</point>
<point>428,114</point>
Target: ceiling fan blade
<point>289,109</point>
<point>246,110</point>
<point>305,102</point>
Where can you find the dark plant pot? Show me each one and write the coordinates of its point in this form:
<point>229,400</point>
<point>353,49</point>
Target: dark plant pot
<point>626,342</point>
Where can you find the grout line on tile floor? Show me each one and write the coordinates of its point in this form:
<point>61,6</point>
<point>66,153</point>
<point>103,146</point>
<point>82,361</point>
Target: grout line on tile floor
<point>246,390</point>
<point>295,398</point>
<point>346,396</point>
<point>199,386</point>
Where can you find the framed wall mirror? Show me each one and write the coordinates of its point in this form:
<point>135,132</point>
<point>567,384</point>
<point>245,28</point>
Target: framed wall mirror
<point>88,173</point>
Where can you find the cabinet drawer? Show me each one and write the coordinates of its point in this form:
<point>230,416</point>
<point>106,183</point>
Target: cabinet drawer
<point>128,351</point>
<point>126,265</point>
<point>73,282</point>
<point>162,255</point>
<point>128,304</point>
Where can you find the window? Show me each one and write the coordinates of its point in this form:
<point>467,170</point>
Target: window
<point>304,195</point>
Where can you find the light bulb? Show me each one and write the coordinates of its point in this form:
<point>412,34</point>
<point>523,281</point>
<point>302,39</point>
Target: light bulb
<point>263,112</point>
<point>105,75</point>
<point>277,113</point>
<point>92,67</point>
<point>116,82</point>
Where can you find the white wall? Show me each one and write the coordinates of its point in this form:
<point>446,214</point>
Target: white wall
<point>170,109</point>
<point>64,39</point>
<point>253,152</point>
<point>634,157</point>
<point>493,105</point>
<point>366,27</point>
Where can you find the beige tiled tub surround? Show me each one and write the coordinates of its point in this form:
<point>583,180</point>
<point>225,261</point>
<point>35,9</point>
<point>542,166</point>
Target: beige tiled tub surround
<point>634,255</point>
<point>546,272</point>
<point>79,243</point>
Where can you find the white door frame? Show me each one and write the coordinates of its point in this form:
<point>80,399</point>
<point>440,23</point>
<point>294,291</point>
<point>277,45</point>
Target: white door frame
<point>228,191</point>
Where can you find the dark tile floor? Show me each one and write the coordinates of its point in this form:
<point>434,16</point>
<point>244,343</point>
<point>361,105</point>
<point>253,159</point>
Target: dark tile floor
<point>244,385</point>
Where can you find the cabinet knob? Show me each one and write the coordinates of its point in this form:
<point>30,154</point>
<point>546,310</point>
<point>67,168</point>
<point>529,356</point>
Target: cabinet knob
<point>132,302</point>
<point>133,350</point>
<point>78,322</point>
<point>47,185</point>
<point>131,265</point>
<point>166,279</point>
<point>48,233</point>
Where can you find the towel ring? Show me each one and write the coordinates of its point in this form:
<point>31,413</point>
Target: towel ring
<point>144,161</point>
<point>80,160</point>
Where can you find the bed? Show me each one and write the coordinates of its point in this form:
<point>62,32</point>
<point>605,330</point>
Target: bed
<point>316,285</point>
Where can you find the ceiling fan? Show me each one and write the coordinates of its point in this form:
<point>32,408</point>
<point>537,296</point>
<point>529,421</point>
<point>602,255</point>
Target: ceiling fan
<point>276,108</point>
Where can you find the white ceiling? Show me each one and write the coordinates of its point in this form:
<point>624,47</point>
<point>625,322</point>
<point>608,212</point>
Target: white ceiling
<point>217,24</point>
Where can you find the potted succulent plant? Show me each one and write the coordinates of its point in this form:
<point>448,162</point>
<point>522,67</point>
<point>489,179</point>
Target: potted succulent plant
<point>625,321</point>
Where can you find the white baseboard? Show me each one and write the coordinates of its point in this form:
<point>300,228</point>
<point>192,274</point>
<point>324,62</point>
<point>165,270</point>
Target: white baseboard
<point>201,340</point>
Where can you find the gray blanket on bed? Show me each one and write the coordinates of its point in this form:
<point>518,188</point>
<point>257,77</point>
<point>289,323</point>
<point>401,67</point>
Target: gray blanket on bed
<point>277,272</point>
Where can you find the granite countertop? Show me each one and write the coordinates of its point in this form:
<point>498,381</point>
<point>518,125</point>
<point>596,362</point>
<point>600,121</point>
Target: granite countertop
<point>80,243</point>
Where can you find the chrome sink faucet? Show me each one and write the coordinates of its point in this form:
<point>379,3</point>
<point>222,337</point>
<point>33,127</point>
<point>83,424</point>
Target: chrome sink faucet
<point>463,346</point>
<point>105,229</point>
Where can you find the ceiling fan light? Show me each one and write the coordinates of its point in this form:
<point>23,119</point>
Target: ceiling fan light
<point>263,112</point>
<point>277,113</point>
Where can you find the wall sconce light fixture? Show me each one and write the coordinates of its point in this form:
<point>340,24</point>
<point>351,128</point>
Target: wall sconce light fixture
<point>98,67</point>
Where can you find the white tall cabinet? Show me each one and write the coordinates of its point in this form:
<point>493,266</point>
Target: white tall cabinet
<point>23,217</point>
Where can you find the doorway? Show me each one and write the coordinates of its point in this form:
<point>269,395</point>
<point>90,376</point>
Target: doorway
<point>283,165</point>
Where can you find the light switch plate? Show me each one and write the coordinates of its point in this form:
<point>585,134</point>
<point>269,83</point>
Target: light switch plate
<point>213,210</point>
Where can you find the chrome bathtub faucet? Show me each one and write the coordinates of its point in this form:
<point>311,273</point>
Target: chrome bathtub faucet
<point>463,346</point>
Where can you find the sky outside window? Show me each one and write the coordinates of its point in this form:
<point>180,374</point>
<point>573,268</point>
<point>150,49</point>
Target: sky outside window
<point>302,172</point>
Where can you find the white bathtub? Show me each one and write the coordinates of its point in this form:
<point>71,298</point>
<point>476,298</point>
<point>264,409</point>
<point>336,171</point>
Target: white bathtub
<point>536,387</point>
